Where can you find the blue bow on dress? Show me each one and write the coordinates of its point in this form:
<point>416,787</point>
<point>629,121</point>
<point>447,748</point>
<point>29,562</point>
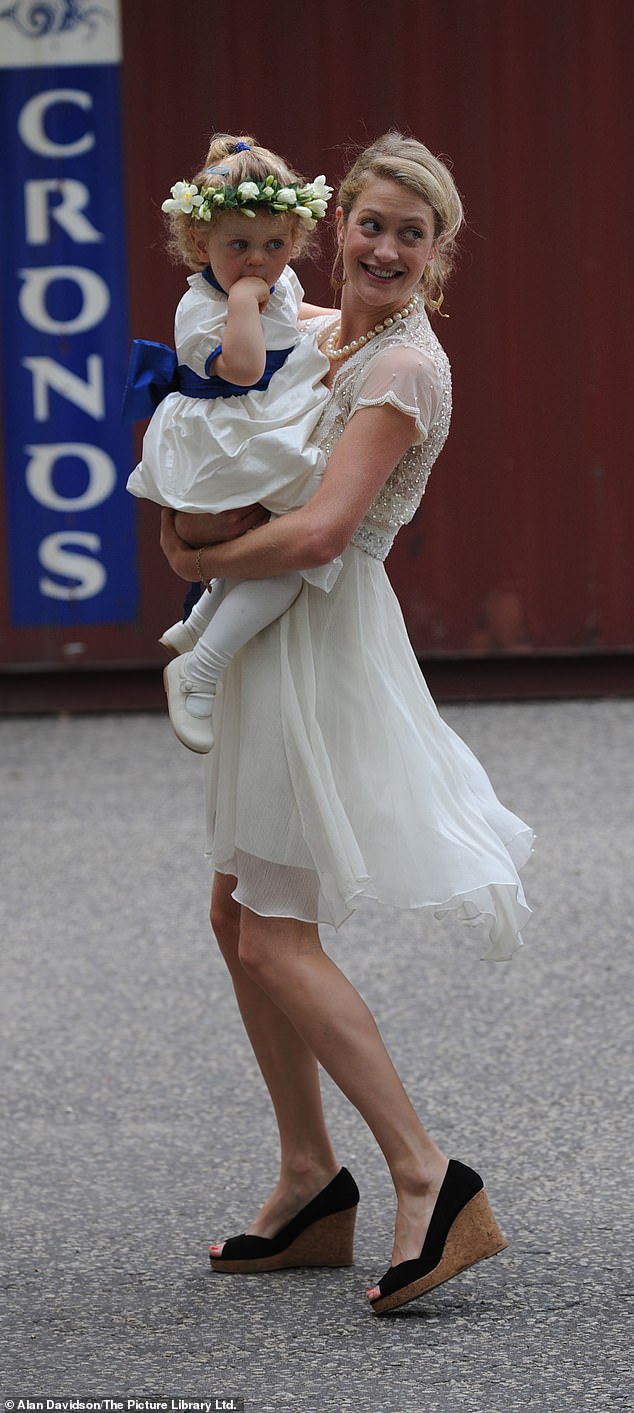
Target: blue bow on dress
<point>154,372</point>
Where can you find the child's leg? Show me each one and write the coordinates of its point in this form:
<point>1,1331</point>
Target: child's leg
<point>248,606</point>
<point>205,607</point>
<point>183,636</point>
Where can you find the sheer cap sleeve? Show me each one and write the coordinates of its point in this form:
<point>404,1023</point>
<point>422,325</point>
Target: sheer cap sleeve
<point>408,370</point>
<point>406,378</point>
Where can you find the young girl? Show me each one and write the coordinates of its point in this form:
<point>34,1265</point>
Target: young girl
<point>240,221</point>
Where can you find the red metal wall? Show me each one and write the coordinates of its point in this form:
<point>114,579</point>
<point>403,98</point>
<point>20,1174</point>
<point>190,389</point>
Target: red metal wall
<point>523,544</point>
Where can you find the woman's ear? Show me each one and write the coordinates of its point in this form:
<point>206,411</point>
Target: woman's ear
<point>341,227</point>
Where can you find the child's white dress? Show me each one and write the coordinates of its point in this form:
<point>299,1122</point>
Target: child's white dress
<point>334,779</point>
<point>215,453</point>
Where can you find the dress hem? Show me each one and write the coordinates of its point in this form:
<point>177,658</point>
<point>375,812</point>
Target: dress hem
<point>475,907</point>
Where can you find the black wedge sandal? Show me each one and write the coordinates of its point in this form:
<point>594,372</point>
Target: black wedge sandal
<point>461,1232</point>
<point>322,1234</point>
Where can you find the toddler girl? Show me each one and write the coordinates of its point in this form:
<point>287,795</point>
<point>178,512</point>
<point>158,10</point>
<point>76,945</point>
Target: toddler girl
<point>238,402</point>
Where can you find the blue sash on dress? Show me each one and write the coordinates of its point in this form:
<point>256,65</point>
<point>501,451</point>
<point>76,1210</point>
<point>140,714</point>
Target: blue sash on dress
<point>154,372</point>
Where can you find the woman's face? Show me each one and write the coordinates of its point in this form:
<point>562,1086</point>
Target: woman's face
<point>386,242</point>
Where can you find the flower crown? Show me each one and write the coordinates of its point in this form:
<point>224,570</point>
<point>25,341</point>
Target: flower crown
<point>308,201</point>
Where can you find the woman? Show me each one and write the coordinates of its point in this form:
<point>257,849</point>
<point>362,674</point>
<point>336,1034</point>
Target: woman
<point>334,779</point>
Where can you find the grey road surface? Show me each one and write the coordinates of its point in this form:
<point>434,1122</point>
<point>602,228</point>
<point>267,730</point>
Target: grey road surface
<point>135,1128</point>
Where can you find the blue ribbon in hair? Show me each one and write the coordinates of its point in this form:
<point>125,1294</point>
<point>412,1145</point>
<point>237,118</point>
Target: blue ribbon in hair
<point>154,372</point>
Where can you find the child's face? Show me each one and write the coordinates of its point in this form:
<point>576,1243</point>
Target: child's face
<point>237,245</point>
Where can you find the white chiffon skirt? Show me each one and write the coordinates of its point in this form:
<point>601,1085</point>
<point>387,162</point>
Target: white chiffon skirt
<point>334,780</point>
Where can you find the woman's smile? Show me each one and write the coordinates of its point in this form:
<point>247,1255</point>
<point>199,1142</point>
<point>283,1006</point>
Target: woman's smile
<point>379,274</point>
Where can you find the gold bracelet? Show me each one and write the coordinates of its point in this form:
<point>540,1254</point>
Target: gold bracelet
<point>206,583</point>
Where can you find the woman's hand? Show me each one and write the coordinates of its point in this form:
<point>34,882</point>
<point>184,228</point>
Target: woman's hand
<point>208,529</point>
<point>179,555</point>
<point>182,533</point>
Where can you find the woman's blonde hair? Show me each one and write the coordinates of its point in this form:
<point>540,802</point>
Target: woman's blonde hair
<point>408,162</point>
<point>250,163</point>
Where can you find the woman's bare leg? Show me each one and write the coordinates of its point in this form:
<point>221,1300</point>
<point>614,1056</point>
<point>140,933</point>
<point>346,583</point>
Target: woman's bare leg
<point>284,960</point>
<point>290,1072</point>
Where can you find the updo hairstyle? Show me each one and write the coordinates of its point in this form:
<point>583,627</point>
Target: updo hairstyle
<point>252,164</point>
<point>411,164</point>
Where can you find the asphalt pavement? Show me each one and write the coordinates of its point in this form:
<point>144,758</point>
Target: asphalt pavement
<point>135,1128</point>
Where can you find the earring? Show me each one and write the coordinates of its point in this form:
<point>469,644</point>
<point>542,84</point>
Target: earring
<point>337,283</point>
<point>432,291</point>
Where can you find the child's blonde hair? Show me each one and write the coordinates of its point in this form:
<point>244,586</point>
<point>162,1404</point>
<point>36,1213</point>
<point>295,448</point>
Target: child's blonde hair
<point>250,163</point>
<point>407,161</point>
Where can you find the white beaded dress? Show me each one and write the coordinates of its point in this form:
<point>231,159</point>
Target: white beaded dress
<point>333,779</point>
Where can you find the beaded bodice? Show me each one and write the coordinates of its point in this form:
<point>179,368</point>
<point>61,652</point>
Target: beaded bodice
<point>398,500</point>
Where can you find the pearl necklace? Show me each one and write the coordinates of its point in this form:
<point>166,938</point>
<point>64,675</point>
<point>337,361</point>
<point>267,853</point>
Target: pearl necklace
<point>331,350</point>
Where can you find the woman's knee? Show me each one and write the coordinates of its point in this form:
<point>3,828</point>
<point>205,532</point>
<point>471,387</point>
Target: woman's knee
<point>269,948</point>
<point>254,950</point>
<point>225,917</point>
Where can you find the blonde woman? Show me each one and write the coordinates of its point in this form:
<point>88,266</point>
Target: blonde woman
<point>334,779</point>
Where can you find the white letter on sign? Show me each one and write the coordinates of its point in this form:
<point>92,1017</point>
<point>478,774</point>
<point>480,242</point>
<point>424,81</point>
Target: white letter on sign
<point>68,211</point>
<point>88,394</point>
<point>94,292</point>
<point>102,475</point>
<point>31,123</point>
<point>89,573</point>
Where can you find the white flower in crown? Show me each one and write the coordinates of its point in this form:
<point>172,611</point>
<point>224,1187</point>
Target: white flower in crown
<point>309,201</point>
<point>315,196</point>
<point>319,187</point>
<point>248,191</point>
<point>185,197</point>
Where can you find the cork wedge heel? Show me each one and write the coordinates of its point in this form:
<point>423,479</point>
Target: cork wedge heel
<point>462,1231</point>
<point>322,1234</point>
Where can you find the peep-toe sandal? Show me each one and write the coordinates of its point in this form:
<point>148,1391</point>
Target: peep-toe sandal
<point>322,1234</point>
<point>461,1232</point>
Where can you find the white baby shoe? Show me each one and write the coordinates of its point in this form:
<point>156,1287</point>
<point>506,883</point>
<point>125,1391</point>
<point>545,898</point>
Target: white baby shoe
<point>190,705</point>
<point>180,638</point>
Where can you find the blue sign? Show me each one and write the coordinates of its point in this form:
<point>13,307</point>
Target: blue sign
<point>71,541</point>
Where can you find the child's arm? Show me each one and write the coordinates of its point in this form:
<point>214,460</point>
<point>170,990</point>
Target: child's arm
<point>243,355</point>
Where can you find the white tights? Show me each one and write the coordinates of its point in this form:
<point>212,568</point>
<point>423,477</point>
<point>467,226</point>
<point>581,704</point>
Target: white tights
<point>231,614</point>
